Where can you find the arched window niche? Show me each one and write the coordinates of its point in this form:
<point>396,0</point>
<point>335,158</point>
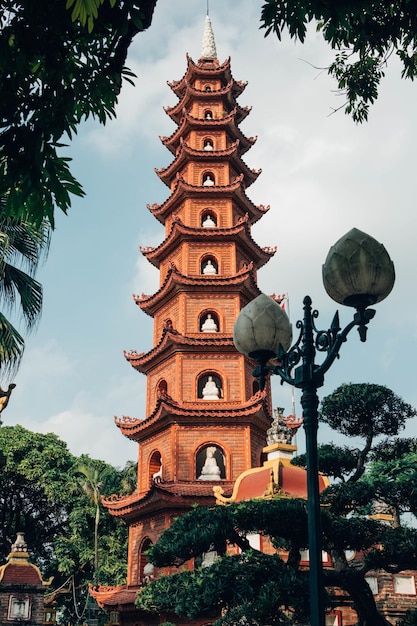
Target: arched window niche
<point>209,386</point>
<point>145,569</point>
<point>209,265</point>
<point>208,179</point>
<point>155,467</point>
<point>210,462</point>
<point>209,322</point>
<point>208,219</point>
<point>208,144</point>
<point>208,114</point>
<point>161,388</point>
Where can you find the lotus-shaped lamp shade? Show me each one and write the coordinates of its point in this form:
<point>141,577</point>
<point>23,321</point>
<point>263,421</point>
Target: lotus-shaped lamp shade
<point>261,328</point>
<point>358,271</point>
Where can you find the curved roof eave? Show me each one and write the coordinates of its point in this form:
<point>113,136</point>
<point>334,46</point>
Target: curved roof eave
<point>133,428</point>
<point>182,190</point>
<point>174,279</point>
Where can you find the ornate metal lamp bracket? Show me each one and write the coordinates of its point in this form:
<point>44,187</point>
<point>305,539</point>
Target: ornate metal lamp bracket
<point>297,366</point>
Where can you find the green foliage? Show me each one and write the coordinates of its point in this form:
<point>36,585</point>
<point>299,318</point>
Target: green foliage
<point>59,64</point>
<point>243,585</point>
<point>392,475</point>
<point>334,461</point>
<point>364,33</point>
<point>365,410</point>
<point>267,589</point>
<point>22,245</point>
<point>205,529</point>
<point>41,495</point>
<point>410,618</point>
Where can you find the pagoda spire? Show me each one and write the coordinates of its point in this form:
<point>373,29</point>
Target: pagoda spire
<point>208,45</point>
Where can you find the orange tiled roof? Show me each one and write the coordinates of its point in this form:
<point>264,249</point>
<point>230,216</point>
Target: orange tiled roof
<point>277,477</point>
<point>183,190</point>
<point>240,232</point>
<point>169,409</point>
<point>123,595</point>
<point>207,68</point>
<point>175,280</point>
<point>189,122</point>
<point>165,495</point>
<point>170,340</point>
<point>166,174</point>
<point>175,112</point>
<point>20,573</point>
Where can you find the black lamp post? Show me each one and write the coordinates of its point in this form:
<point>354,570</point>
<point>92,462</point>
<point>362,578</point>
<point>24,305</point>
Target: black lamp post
<point>358,272</point>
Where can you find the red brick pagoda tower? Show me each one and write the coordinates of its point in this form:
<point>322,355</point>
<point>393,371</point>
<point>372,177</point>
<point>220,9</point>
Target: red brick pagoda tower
<point>205,421</point>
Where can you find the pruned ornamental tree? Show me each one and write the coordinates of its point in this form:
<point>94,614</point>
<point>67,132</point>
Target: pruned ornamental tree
<point>364,34</point>
<point>60,63</point>
<point>246,585</point>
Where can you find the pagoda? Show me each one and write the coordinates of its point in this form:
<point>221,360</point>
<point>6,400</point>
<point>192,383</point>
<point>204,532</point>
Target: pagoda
<point>206,419</point>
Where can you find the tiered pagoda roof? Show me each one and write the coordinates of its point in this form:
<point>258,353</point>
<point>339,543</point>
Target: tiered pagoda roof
<point>175,282</point>
<point>235,191</point>
<point>240,233</point>
<point>228,123</point>
<point>168,411</point>
<point>185,153</point>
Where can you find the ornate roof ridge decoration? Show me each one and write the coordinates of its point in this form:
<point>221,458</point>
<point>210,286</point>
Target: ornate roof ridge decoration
<point>174,278</point>
<point>171,339</point>
<point>167,173</point>
<point>208,43</point>
<point>241,230</point>
<point>207,409</point>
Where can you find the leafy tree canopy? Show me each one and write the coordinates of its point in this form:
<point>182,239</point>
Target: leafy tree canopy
<point>375,477</point>
<point>60,63</point>
<point>364,34</point>
<point>42,495</point>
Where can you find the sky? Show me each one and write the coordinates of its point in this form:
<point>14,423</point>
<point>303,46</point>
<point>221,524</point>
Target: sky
<point>321,174</point>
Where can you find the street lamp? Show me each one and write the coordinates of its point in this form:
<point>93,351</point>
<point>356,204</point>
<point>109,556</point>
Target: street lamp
<point>358,272</point>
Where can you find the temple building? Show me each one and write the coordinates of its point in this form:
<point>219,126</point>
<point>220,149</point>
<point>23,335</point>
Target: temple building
<point>22,589</point>
<point>205,419</point>
<point>208,434</point>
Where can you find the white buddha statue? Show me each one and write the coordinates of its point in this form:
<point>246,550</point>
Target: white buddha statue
<point>210,390</point>
<point>209,325</point>
<point>208,181</point>
<point>210,470</point>
<point>208,222</point>
<point>209,268</point>
<point>208,146</point>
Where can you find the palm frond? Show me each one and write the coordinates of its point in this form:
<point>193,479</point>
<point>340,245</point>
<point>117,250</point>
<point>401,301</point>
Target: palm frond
<point>12,346</point>
<point>16,283</point>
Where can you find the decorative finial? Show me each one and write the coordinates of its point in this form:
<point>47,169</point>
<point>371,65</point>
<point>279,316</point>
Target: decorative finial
<point>20,544</point>
<point>208,45</point>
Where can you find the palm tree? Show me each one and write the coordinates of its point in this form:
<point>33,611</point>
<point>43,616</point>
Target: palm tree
<point>91,481</point>
<point>22,245</point>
